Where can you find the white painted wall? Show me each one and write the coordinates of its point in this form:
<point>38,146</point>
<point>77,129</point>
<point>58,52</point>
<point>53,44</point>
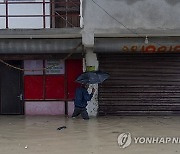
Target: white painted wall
<point>135,17</point>
<point>92,107</point>
<point>135,14</point>
<point>25,9</point>
<point>44,108</point>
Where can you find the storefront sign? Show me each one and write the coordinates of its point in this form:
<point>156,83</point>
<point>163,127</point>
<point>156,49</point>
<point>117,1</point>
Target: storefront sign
<point>139,45</point>
<point>54,66</point>
<point>151,49</point>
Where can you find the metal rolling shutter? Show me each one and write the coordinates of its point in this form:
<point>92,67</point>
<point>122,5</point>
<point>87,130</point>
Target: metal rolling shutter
<point>140,84</point>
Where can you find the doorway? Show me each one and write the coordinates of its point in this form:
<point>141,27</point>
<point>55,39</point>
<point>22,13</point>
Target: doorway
<point>11,98</point>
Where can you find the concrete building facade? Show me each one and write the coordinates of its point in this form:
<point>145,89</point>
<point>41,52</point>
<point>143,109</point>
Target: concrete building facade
<point>110,32</point>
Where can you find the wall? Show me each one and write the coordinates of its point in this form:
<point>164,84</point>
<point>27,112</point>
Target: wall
<point>135,14</point>
<point>25,9</point>
<point>44,108</point>
<point>138,16</point>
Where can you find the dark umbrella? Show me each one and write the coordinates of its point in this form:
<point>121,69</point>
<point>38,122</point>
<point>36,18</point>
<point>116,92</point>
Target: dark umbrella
<point>92,77</point>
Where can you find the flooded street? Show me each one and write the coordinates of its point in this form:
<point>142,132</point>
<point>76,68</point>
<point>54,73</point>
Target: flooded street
<point>39,134</point>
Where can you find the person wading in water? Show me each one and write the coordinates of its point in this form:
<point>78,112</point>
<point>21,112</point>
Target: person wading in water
<point>80,102</point>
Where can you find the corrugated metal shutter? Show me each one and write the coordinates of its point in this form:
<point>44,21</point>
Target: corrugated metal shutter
<point>140,84</point>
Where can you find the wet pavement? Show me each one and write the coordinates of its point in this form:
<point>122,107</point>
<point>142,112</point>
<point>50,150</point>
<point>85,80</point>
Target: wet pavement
<point>39,134</point>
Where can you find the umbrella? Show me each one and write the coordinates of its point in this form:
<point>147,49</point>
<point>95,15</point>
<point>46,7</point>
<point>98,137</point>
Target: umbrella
<point>92,77</point>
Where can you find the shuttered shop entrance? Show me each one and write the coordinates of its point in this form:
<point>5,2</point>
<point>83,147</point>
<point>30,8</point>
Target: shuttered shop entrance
<point>140,84</point>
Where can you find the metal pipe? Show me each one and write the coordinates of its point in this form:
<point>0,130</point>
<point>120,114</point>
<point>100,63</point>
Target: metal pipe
<point>7,14</point>
<point>44,14</point>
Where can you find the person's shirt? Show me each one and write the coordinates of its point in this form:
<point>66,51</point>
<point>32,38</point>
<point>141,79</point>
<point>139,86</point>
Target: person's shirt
<point>81,97</point>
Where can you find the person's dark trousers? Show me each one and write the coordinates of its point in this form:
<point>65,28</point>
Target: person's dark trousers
<point>82,111</point>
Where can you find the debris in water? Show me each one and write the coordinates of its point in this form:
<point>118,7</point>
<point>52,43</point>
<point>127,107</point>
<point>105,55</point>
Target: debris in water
<point>60,128</point>
<point>166,117</point>
<point>26,147</point>
<point>115,132</point>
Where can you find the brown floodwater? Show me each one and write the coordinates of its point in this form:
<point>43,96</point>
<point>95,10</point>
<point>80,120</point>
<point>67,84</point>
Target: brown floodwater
<point>39,134</point>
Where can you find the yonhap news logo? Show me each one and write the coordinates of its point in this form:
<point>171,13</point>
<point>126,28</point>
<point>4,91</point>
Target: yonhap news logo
<point>126,139</point>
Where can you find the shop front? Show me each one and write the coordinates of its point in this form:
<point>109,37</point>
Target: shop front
<point>144,77</point>
<point>38,76</point>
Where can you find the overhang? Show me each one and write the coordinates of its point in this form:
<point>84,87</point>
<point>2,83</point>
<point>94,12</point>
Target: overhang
<point>137,44</point>
<point>41,33</point>
<point>40,46</point>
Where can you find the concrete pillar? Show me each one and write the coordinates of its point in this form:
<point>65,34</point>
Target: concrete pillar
<point>87,38</point>
<point>91,61</point>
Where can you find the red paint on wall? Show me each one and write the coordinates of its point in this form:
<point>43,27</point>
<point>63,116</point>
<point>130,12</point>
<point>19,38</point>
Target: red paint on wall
<point>177,48</point>
<point>46,87</point>
<point>54,87</point>
<point>150,49</point>
<point>33,87</point>
<point>74,69</point>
